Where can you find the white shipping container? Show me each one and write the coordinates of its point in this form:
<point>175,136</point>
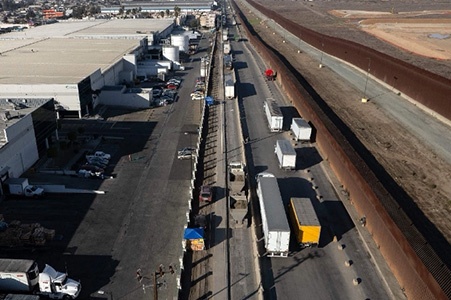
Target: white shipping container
<point>274,115</point>
<point>285,154</point>
<point>301,129</point>
<point>275,224</point>
<point>229,86</point>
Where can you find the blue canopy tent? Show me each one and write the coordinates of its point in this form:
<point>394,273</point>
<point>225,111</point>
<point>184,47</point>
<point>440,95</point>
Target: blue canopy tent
<point>194,238</point>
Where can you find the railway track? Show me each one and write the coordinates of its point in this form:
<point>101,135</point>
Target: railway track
<point>201,260</point>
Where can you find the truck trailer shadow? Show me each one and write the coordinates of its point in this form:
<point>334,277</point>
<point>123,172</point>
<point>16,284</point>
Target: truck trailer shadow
<point>307,157</point>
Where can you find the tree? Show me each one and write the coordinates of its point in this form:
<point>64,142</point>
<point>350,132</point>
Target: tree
<point>176,11</point>
<point>121,10</point>
<point>194,24</point>
<point>167,12</point>
<point>162,14</point>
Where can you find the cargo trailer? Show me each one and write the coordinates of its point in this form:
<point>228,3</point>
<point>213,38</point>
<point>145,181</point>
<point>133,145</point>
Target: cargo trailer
<point>274,220</point>
<point>285,154</point>
<point>301,129</point>
<point>273,115</point>
<point>306,226</point>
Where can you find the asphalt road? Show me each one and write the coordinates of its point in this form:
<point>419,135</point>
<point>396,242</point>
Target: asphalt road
<point>138,223</point>
<point>423,124</point>
<point>316,273</point>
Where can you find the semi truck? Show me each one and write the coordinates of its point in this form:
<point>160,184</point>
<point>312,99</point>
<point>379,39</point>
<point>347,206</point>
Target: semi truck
<point>275,225</point>
<point>238,193</point>
<point>229,86</point>
<point>285,154</point>
<point>227,48</point>
<point>274,115</point>
<point>228,62</point>
<point>306,226</point>
<point>225,34</point>
<point>301,129</point>
<point>22,276</point>
<point>21,187</point>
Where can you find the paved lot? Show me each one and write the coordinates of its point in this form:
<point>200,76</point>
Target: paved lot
<point>138,223</point>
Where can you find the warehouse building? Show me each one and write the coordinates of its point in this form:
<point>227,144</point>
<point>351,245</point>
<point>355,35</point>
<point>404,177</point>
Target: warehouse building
<point>27,128</point>
<point>72,61</point>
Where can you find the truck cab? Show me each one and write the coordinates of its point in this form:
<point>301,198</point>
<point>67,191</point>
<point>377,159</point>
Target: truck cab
<point>57,285</point>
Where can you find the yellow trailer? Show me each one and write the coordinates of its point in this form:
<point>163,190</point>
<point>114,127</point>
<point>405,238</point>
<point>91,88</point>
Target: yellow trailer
<point>305,222</point>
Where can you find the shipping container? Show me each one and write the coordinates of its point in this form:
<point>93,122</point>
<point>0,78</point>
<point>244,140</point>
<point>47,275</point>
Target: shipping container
<point>273,115</point>
<point>274,220</point>
<point>285,154</point>
<point>301,129</point>
<point>304,219</point>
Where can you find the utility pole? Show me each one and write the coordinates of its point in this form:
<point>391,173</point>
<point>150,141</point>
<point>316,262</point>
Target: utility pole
<point>365,99</point>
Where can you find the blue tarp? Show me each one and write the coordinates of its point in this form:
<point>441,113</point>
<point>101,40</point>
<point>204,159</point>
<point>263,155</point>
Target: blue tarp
<point>209,100</point>
<point>193,233</point>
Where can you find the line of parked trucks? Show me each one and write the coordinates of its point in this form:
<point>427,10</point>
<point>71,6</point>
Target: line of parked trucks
<point>305,223</point>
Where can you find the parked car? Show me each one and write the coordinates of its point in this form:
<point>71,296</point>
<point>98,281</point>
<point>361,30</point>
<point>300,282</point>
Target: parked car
<point>174,80</point>
<point>98,163</point>
<point>172,86</point>
<point>197,96</point>
<point>100,154</point>
<point>185,153</point>
<point>200,84</point>
<point>193,93</point>
<point>205,193</point>
<point>92,168</point>
<point>89,174</point>
<point>156,92</point>
<point>200,79</point>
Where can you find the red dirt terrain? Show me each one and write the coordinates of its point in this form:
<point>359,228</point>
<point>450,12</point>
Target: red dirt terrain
<point>424,176</point>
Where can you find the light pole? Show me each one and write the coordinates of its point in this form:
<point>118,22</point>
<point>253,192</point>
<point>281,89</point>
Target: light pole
<point>300,40</point>
<point>365,99</point>
<point>322,53</point>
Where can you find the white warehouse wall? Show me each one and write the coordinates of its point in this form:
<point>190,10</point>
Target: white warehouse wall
<point>141,98</point>
<point>21,152</point>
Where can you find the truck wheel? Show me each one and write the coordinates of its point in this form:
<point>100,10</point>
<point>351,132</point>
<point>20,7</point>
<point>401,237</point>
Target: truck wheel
<point>67,297</point>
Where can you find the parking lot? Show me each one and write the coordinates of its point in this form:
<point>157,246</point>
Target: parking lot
<point>103,239</point>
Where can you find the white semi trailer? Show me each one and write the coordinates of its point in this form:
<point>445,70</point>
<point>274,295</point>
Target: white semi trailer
<point>301,129</point>
<point>22,276</point>
<point>275,224</point>
<point>285,154</point>
<point>229,86</point>
<point>273,115</point>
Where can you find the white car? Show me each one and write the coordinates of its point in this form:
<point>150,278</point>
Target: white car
<point>197,96</point>
<point>185,153</point>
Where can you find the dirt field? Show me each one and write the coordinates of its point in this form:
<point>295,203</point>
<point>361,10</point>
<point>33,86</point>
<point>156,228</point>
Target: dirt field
<point>426,37</point>
<point>423,175</point>
<point>343,19</point>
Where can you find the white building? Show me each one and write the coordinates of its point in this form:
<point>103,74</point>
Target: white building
<point>27,127</point>
<point>72,61</point>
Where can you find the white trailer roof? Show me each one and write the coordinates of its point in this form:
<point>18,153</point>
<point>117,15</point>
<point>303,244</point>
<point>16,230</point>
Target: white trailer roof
<point>15,265</point>
<point>301,123</point>
<point>286,147</point>
<point>273,107</point>
<point>273,205</point>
